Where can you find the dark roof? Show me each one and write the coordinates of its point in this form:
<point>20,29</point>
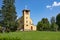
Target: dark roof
<point>26,10</point>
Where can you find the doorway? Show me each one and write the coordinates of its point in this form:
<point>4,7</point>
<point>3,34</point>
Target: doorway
<point>31,28</point>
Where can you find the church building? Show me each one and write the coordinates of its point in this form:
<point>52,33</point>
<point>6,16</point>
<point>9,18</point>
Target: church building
<point>25,22</point>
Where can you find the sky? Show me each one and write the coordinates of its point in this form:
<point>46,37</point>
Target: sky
<point>38,8</point>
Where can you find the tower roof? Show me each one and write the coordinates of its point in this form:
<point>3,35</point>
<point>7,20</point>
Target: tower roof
<point>26,10</point>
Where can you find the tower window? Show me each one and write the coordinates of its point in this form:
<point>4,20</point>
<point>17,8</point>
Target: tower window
<point>26,21</point>
<point>26,17</point>
<point>26,25</point>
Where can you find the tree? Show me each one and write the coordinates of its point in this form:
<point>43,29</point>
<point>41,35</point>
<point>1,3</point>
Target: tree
<point>0,15</point>
<point>40,26</point>
<point>54,27</point>
<point>43,24</point>
<point>58,20</point>
<point>9,13</point>
<point>53,20</point>
<point>1,18</point>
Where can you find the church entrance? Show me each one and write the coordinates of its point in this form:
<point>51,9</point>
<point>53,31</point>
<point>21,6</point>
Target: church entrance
<point>31,28</point>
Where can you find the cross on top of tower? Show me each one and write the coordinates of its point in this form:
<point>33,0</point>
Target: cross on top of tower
<point>26,7</point>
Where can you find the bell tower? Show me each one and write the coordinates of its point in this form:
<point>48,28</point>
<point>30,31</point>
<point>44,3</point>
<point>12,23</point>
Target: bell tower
<point>26,17</point>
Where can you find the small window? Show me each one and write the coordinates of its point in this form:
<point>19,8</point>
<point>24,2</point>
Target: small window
<point>26,17</point>
<point>26,21</point>
<point>26,25</point>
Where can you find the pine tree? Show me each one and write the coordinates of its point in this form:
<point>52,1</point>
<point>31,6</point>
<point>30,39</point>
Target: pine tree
<point>9,13</point>
<point>1,18</point>
<point>0,15</point>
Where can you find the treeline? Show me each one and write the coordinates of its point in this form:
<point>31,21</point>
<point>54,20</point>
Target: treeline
<point>52,25</point>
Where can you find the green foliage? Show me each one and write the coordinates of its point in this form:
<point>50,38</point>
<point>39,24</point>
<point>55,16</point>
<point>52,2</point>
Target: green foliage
<point>54,27</point>
<point>9,13</point>
<point>1,18</point>
<point>0,29</point>
<point>43,24</point>
<point>40,26</point>
<point>58,20</point>
<point>53,20</point>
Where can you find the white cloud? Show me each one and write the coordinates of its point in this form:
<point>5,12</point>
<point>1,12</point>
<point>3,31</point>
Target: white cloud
<point>55,4</point>
<point>48,6</point>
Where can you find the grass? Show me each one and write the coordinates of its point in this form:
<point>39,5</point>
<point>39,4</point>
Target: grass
<point>30,36</point>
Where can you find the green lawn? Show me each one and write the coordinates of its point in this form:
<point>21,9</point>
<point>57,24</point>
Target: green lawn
<point>30,36</point>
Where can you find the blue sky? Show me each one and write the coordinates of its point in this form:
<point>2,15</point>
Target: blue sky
<point>39,8</point>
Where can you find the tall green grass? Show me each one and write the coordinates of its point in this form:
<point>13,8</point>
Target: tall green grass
<point>30,36</point>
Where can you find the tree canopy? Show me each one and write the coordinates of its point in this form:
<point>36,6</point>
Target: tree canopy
<point>43,24</point>
<point>58,20</point>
